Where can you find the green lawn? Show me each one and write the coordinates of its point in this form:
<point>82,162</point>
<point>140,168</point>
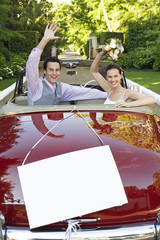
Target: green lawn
<point>6,83</point>
<point>150,80</point>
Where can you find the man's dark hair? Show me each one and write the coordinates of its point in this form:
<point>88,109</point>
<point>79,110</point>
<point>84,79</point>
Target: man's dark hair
<point>51,59</point>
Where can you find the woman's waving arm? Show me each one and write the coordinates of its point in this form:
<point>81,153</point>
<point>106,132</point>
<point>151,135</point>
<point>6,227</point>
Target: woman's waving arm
<point>94,70</point>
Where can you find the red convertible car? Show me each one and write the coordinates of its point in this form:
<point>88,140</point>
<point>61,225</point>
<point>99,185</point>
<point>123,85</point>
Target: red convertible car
<point>133,135</point>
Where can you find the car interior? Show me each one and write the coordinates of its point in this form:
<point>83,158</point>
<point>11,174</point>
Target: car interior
<point>20,93</point>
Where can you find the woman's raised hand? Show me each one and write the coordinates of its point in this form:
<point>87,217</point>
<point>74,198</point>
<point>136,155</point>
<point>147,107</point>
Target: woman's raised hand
<point>102,48</point>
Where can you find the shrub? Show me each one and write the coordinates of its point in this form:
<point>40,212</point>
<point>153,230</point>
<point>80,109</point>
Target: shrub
<point>142,58</point>
<point>142,33</point>
<point>125,60</point>
<point>17,62</point>
<point>143,41</point>
<point>11,67</point>
<point>156,64</point>
<point>16,51</point>
<point>156,55</point>
<point>5,71</point>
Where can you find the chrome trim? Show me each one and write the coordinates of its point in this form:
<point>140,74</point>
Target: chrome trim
<point>2,222</point>
<point>87,220</point>
<point>158,228</point>
<point>130,232</point>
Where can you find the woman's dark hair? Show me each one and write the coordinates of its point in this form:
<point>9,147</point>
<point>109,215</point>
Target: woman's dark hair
<point>51,59</point>
<point>114,66</point>
<point>103,72</point>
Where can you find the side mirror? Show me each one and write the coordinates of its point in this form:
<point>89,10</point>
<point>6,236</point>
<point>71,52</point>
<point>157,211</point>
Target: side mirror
<point>70,65</point>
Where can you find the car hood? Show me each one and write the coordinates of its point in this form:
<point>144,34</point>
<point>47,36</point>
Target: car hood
<point>134,140</point>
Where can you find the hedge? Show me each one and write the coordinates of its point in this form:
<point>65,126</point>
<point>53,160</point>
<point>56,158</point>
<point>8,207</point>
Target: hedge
<point>23,41</point>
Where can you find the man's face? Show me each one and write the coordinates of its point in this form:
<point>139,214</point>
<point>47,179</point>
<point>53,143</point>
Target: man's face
<point>52,72</point>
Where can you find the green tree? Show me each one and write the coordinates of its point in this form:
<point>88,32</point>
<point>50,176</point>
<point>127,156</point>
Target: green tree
<point>78,21</point>
<point>5,33</point>
<point>139,20</point>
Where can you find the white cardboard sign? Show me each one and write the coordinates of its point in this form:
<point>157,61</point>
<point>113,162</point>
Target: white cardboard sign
<point>71,185</point>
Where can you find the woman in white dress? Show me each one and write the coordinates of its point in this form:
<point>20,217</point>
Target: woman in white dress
<point>117,94</point>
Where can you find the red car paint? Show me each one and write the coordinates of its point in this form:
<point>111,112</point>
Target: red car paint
<point>134,139</point>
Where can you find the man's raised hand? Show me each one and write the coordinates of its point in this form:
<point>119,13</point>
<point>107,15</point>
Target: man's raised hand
<point>50,31</point>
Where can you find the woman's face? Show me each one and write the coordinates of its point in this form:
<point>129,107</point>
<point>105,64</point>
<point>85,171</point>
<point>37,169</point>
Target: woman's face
<point>114,77</point>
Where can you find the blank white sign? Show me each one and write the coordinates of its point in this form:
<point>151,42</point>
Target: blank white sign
<point>71,185</point>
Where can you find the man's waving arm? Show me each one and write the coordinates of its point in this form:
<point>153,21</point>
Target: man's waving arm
<point>32,68</point>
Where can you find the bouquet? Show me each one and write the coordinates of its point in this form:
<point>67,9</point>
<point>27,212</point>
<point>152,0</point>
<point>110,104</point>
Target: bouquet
<point>114,48</point>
